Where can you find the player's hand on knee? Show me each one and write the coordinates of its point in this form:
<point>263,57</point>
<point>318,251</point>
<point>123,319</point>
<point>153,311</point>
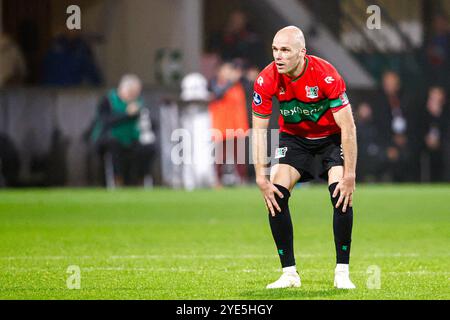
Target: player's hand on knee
<point>269,190</point>
<point>345,189</point>
<point>350,200</point>
<point>343,196</point>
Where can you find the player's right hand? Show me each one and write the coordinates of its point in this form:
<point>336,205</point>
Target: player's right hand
<point>268,191</point>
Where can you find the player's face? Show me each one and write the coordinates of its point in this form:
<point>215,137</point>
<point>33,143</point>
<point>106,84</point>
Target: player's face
<point>287,57</point>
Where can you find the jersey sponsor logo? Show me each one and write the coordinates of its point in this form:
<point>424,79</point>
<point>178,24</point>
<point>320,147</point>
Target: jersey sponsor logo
<point>299,113</point>
<point>312,92</point>
<point>344,98</point>
<point>257,100</point>
<point>329,79</point>
<point>295,111</point>
<point>260,81</point>
<point>280,152</point>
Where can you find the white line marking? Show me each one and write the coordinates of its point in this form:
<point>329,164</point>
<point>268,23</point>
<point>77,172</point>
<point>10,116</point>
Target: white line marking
<point>217,257</point>
<point>209,270</point>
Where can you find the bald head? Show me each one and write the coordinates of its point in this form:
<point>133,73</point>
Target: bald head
<point>289,50</point>
<point>292,35</point>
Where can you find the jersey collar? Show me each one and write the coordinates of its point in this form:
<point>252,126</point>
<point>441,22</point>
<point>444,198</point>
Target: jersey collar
<point>303,71</point>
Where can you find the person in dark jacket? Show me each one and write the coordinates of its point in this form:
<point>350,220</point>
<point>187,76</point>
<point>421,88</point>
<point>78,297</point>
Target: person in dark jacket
<point>433,132</point>
<point>70,62</point>
<point>393,116</point>
<point>370,151</point>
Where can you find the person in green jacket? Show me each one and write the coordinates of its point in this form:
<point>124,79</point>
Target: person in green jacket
<point>118,132</point>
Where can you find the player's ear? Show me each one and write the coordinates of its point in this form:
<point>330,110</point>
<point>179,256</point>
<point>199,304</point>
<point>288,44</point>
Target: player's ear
<point>302,52</point>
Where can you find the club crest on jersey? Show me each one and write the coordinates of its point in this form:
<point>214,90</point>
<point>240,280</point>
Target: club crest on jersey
<point>312,92</point>
<point>282,91</point>
<point>257,100</point>
<point>280,152</point>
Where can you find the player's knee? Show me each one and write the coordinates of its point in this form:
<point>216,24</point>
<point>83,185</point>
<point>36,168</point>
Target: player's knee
<point>331,189</point>
<point>284,175</point>
<point>282,202</point>
<point>334,200</point>
<point>335,174</point>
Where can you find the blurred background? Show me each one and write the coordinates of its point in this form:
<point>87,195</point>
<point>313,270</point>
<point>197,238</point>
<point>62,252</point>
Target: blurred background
<point>99,106</point>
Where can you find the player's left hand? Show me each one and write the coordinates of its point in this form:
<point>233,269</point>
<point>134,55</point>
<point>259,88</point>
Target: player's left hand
<point>345,189</point>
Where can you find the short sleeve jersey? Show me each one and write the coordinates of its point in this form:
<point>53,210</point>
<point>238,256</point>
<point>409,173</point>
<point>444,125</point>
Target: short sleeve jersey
<point>307,102</point>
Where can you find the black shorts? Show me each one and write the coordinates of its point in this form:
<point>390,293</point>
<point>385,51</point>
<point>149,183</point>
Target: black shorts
<point>300,153</point>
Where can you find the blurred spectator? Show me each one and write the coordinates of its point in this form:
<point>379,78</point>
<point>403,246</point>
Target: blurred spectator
<point>393,116</point>
<point>210,63</point>
<point>119,131</point>
<point>237,40</point>
<point>70,62</point>
<point>30,38</point>
<point>433,131</point>
<point>229,117</point>
<point>369,152</point>
<point>12,63</point>
<point>248,80</point>
<point>252,73</point>
<point>438,52</point>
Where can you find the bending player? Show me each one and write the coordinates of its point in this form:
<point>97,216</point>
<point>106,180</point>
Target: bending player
<point>315,121</point>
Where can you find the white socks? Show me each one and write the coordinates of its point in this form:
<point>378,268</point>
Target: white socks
<point>341,267</point>
<point>291,269</point>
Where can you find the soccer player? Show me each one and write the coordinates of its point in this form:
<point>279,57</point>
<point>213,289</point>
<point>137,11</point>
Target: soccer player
<point>315,121</point>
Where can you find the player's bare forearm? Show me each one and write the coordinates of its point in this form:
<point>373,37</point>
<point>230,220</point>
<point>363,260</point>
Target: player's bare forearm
<point>259,147</point>
<point>346,187</point>
<point>344,120</point>
<point>350,150</point>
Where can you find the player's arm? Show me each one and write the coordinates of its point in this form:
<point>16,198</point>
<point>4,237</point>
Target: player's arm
<point>262,110</point>
<point>260,159</point>
<point>333,85</point>
<point>344,119</point>
<point>259,147</point>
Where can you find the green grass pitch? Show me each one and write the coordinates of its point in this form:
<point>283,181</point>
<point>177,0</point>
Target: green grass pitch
<point>216,244</point>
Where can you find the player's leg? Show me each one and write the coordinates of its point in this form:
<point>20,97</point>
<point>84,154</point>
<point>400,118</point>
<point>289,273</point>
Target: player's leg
<point>342,228</point>
<point>284,177</point>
